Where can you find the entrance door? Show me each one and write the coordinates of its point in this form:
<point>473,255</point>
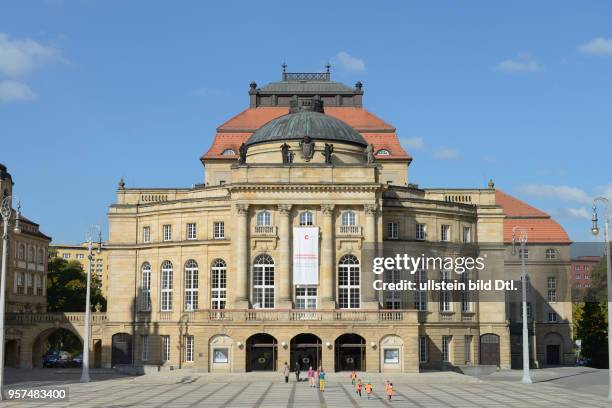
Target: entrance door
<point>350,353</point>
<point>306,351</point>
<point>121,352</point>
<point>553,352</point>
<point>489,349</point>
<point>261,353</point>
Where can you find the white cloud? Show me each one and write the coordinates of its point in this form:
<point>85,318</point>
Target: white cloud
<point>581,213</point>
<point>12,91</point>
<point>597,46</point>
<point>350,63</point>
<point>20,57</point>
<point>445,154</point>
<point>412,143</point>
<point>606,191</point>
<point>566,193</point>
<point>523,63</point>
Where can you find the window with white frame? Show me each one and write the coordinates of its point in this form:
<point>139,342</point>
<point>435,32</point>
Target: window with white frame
<point>306,218</point>
<point>383,152</point>
<point>166,286</point>
<point>349,296</point>
<point>263,282</point>
<point>551,253</point>
<point>79,256</point>
<point>146,234</point>
<point>218,284</point>
<point>349,219</point>
<point>446,304</point>
<point>529,310</point>
<point>145,288</point>
<point>264,218</point>
<point>423,346</point>
<point>420,296</point>
<point>552,317</point>
<point>64,255</point>
<point>552,288</point>
<point>31,254</point>
<point>466,301</point>
<point>165,348</point>
<point>189,348</point>
<point>41,256</point>
<point>445,233</point>
<point>219,230</point>
<point>167,232</point>
<point>38,285</point>
<point>191,285</point>
<point>446,348</point>
<point>30,284</point>
<point>306,297</point>
<point>467,235</point>
<point>144,347</point>
<point>392,298</point>
<point>420,232</point>
<point>191,230</point>
<point>228,152</point>
<point>393,230</point>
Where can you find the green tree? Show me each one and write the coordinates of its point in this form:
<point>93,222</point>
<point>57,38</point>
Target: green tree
<point>66,284</point>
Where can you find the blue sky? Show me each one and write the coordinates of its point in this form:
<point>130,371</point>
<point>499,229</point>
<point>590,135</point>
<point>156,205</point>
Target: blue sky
<point>93,91</point>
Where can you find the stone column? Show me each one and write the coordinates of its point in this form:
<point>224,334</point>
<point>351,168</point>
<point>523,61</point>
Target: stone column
<point>368,294</point>
<point>240,238</point>
<point>284,249</point>
<point>326,275</point>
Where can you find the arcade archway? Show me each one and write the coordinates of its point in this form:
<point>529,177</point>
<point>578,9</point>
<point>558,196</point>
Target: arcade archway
<point>350,350</point>
<point>261,353</point>
<point>55,339</point>
<point>306,351</point>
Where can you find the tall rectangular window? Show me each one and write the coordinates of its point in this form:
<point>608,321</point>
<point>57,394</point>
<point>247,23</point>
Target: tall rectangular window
<point>393,230</point>
<point>552,317</point>
<point>445,233</point>
<point>30,284</point>
<point>20,283</point>
<point>552,289</point>
<point>167,232</point>
<point>218,284</point>
<point>189,348</point>
<point>166,286</point>
<point>146,234</point>
<point>219,230</point>
<point>420,296</point>
<point>165,348</point>
<point>446,348</point>
<point>191,230</point>
<point>38,284</point>
<point>467,235</point>
<point>145,305</point>
<point>144,347</point>
<point>420,232</point>
<point>191,285</point>
<point>467,349</point>
<point>392,298</point>
<point>423,344</point>
<point>349,295</point>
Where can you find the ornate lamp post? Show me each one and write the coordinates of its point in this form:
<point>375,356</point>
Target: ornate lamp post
<point>595,231</point>
<point>5,210</point>
<point>523,240</point>
<point>90,240</point>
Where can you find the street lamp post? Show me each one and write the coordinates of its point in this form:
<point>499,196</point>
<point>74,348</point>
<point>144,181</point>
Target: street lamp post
<point>595,231</point>
<point>86,329</point>
<point>5,210</point>
<point>523,240</point>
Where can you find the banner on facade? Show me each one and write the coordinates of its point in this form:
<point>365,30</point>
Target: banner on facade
<point>306,256</point>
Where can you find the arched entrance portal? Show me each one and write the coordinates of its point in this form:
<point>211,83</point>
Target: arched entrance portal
<point>121,352</point>
<point>261,353</point>
<point>306,351</point>
<point>489,349</point>
<point>350,352</point>
<point>55,341</point>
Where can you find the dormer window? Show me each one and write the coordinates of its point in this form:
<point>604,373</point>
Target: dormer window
<point>228,152</point>
<point>383,152</point>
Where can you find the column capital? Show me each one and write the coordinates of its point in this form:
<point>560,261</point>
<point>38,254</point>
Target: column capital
<point>327,209</point>
<point>243,209</point>
<point>284,209</point>
<point>370,209</point>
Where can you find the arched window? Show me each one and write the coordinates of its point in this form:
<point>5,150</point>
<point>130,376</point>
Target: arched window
<point>348,282</point>
<point>305,218</point>
<point>383,152</point>
<point>263,218</point>
<point>41,256</point>
<point>145,288</point>
<point>263,282</point>
<point>551,253</point>
<point>166,286</point>
<point>228,152</point>
<point>21,253</point>
<point>349,218</point>
<point>218,284</point>
<point>191,285</point>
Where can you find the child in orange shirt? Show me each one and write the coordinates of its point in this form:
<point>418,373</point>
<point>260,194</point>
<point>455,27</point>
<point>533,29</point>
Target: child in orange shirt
<point>369,389</point>
<point>353,378</point>
<point>359,387</point>
<point>389,390</point>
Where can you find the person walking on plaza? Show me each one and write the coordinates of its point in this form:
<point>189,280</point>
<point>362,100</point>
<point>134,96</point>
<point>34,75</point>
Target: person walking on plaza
<point>353,378</point>
<point>311,376</point>
<point>369,389</point>
<point>297,371</point>
<point>389,390</point>
<point>286,372</point>
<point>322,380</point>
<point>359,387</point>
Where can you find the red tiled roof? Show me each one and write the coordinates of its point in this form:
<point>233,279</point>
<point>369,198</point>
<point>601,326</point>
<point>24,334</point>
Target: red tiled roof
<point>238,129</point>
<point>540,227</point>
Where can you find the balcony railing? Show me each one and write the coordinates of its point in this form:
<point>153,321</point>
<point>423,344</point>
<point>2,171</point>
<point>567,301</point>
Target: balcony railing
<point>35,318</point>
<point>349,230</point>
<point>265,230</point>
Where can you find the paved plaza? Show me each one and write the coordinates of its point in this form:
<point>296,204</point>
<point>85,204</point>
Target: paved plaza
<point>192,389</point>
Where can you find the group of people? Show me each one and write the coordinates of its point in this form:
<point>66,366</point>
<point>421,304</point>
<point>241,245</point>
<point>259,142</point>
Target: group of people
<point>369,389</point>
<point>315,377</point>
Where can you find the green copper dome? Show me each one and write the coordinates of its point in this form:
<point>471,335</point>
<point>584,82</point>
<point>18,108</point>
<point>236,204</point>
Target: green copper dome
<point>306,118</point>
